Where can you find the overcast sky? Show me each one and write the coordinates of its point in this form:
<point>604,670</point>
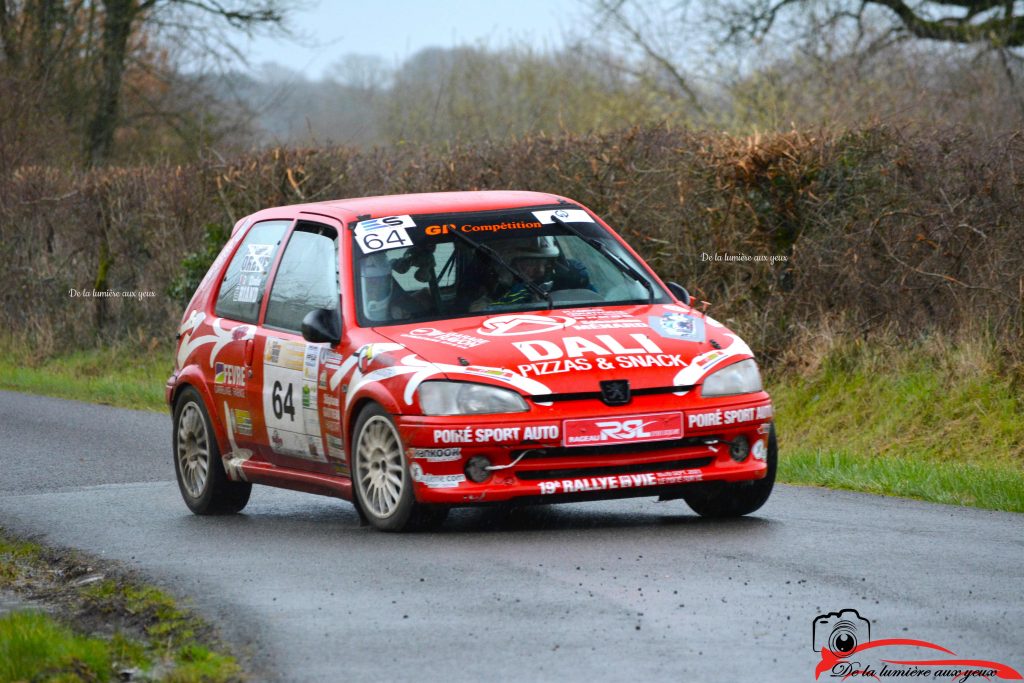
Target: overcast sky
<point>396,29</point>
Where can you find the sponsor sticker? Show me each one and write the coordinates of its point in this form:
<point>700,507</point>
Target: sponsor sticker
<point>311,361</point>
<point>494,373</point>
<point>554,367</point>
<point>330,358</point>
<point>285,354</point>
<point>444,229</point>
<point>594,313</point>
<point>436,481</point>
<point>232,375</point>
<point>576,347</point>
<point>632,429</point>
<point>678,326</point>
<point>519,325</point>
<point>243,422</point>
<point>314,449</point>
<point>727,416</point>
<point>610,353</point>
<point>246,294</point>
<point>601,319</point>
<point>248,289</point>
<point>456,339</point>
<point>759,450</point>
<point>229,380</point>
<point>567,215</point>
<point>437,454</point>
<point>600,324</point>
<point>378,234</point>
<point>462,435</point>
<point>335,447</point>
<point>257,258</point>
<point>710,359</point>
<point>619,481</point>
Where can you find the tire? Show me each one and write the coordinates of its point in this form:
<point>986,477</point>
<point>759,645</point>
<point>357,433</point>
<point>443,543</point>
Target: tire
<point>718,499</point>
<point>203,483</point>
<point>381,483</point>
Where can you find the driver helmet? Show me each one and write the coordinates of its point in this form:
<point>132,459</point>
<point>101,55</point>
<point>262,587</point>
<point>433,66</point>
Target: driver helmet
<point>376,285</point>
<point>533,256</point>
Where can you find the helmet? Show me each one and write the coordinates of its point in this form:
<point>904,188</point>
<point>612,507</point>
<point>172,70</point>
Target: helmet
<point>533,256</point>
<point>376,284</point>
<point>529,247</point>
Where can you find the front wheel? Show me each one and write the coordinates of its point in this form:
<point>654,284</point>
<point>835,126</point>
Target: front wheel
<point>201,478</point>
<point>718,499</point>
<point>381,481</point>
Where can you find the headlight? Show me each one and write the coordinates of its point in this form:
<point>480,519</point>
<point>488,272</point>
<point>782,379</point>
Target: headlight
<point>738,378</point>
<point>465,398</point>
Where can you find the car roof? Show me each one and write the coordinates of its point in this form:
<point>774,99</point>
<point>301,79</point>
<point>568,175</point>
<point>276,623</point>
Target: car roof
<point>423,203</point>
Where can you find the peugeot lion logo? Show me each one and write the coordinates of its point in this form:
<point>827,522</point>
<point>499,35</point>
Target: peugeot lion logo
<point>615,392</point>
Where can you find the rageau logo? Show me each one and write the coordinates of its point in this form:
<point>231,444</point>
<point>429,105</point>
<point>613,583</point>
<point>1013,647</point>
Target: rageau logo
<point>840,632</point>
<point>847,651</point>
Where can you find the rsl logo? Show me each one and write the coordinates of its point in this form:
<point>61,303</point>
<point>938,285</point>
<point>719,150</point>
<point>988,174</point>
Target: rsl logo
<point>623,430</point>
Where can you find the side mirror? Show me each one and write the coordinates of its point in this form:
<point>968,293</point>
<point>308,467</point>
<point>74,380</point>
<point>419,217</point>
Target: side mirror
<point>322,325</point>
<point>679,292</point>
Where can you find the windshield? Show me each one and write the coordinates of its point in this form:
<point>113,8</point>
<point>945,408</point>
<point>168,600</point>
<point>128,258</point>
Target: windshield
<point>430,267</point>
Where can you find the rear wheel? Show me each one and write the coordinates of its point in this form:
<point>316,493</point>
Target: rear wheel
<point>204,485</point>
<point>381,481</point>
<point>719,499</point>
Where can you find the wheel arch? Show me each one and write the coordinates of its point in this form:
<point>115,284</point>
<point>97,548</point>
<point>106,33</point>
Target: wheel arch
<point>191,378</point>
<point>374,393</point>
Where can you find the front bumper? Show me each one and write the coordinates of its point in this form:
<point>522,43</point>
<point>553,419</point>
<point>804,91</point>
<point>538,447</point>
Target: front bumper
<point>539,462</point>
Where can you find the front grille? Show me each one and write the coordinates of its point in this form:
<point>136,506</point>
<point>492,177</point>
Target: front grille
<point>616,449</point>
<point>587,395</point>
<point>635,468</point>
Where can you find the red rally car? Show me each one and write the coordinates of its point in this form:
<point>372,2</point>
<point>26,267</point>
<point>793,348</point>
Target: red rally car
<point>411,353</point>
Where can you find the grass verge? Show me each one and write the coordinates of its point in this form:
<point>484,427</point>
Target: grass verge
<point>98,623</point>
<point>934,420</point>
<point>116,376</point>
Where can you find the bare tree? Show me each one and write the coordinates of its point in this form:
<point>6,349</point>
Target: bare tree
<point>642,28</point>
<point>989,27</point>
<point>123,18</point>
<point>995,23</point>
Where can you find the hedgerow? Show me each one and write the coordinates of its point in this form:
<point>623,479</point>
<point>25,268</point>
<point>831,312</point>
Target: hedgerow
<point>875,228</point>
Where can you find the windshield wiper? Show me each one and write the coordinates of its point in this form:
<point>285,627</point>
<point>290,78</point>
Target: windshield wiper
<point>616,261</point>
<point>518,274</point>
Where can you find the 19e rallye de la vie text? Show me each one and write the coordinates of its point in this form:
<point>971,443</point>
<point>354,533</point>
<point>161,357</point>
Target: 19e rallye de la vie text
<point>415,352</point>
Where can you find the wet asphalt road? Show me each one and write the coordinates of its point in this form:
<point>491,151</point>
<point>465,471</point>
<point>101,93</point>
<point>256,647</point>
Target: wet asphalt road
<point>588,592</point>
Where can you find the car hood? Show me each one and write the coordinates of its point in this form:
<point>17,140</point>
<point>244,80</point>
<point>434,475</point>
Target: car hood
<point>572,350</point>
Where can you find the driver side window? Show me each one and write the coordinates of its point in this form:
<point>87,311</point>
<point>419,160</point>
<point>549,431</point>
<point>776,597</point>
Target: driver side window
<point>307,278</point>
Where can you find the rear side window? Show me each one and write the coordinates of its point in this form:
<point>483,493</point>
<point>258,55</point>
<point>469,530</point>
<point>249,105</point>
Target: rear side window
<point>241,291</point>
<point>307,278</point>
